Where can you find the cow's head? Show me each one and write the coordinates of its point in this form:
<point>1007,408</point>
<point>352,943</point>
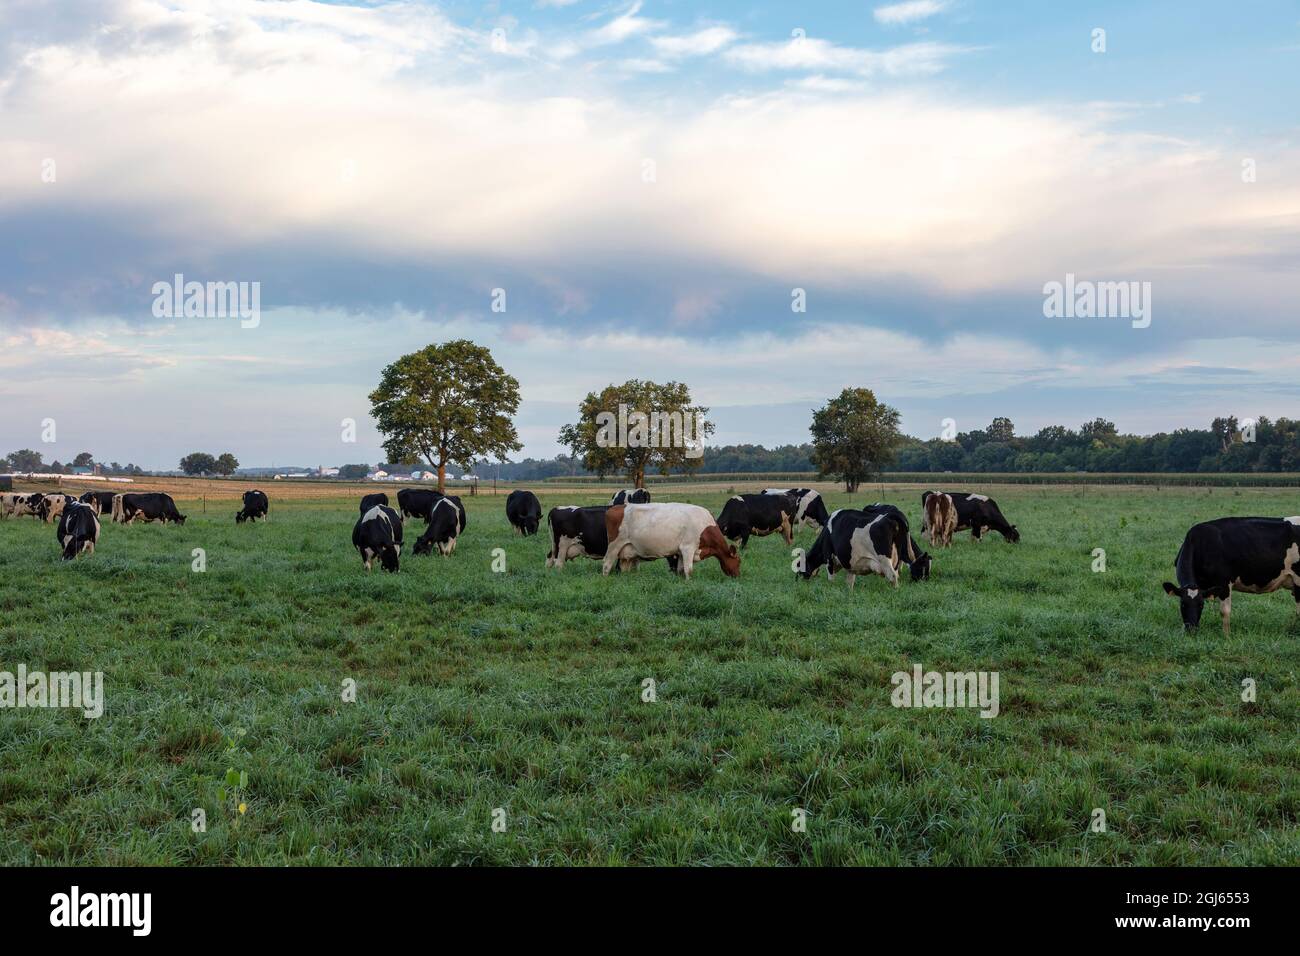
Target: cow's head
<point>239,517</point>
<point>1191,602</point>
<point>714,545</point>
<point>920,568</point>
<point>180,519</point>
<point>388,557</point>
<point>1012,535</point>
<point>424,544</point>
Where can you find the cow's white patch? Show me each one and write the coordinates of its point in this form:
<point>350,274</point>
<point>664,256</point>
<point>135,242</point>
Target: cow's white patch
<point>1294,519</point>
<point>978,497</point>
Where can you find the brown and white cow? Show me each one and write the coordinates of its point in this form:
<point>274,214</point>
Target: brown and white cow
<point>681,533</point>
<point>940,519</point>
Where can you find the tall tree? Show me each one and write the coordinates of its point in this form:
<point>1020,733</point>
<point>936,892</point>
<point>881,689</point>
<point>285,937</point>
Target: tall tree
<point>226,464</point>
<point>854,437</point>
<point>25,460</point>
<point>639,425</point>
<point>446,404</point>
<point>198,463</point>
<point>84,460</point>
<point>1001,430</point>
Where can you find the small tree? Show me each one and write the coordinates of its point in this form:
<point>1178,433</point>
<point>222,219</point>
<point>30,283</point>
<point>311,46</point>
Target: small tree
<point>198,463</point>
<point>854,436</point>
<point>446,404</point>
<point>226,465</point>
<point>354,472</point>
<point>629,429</point>
<point>1002,430</point>
<point>83,460</point>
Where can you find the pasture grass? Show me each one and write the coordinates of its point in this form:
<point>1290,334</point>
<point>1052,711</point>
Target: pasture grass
<point>523,691</point>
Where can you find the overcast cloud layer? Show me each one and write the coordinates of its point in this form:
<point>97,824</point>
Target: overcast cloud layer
<point>648,185</point>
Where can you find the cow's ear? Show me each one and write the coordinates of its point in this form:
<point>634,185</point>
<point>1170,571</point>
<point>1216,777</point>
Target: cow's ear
<point>1171,588</point>
<point>733,551</point>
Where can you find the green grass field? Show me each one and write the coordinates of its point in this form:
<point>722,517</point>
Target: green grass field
<point>522,690</point>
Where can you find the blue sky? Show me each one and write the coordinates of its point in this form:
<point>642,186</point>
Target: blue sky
<point>648,182</point>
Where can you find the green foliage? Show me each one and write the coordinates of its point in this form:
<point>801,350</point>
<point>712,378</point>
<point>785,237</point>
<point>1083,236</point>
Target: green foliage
<point>445,404</point>
<point>226,464</point>
<point>198,463</point>
<point>24,460</point>
<point>588,438</point>
<point>854,437</point>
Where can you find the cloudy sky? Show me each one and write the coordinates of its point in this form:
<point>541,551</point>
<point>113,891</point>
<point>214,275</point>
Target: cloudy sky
<point>648,182</point>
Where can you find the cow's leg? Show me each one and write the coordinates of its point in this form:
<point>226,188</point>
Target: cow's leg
<point>613,554</point>
<point>688,558</point>
<point>851,578</point>
<point>1296,592</point>
<point>1225,610</point>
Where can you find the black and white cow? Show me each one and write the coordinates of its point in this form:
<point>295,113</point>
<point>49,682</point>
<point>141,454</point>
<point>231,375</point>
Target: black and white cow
<point>13,504</point>
<point>446,522</point>
<point>101,501</point>
<point>78,529</point>
<point>858,541</point>
<point>577,532</point>
<point>758,515</point>
<point>1254,555</point>
<point>809,508</point>
<point>378,534</point>
<point>417,502</point>
<point>524,512</point>
<point>630,496</point>
<point>256,505</point>
<point>918,561</point>
<point>51,506</point>
<point>149,505</point>
<point>976,514</point>
<point>370,501</point>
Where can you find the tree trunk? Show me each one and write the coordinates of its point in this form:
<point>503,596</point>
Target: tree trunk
<point>638,479</point>
<point>442,476</point>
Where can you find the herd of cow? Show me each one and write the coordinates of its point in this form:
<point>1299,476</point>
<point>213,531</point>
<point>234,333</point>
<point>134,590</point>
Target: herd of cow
<point>1252,555</point>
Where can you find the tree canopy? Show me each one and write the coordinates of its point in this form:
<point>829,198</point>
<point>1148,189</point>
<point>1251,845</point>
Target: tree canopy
<point>854,437</point>
<point>638,426</point>
<point>446,404</point>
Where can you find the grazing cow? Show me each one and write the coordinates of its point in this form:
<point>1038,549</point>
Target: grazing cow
<point>809,508</point>
<point>575,533</point>
<point>861,542</point>
<point>378,534</point>
<point>1254,555</point>
<point>78,529</point>
<point>15,505</point>
<point>524,512</point>
<point>370,501</point>
<point>630,496</point>
<point>417,501</point>
<point>759,515</point>
<point>149,505</point>
<point>446,521</point>
<point>101,501</point>
<point>918,562</point>
<point>940,519</point>
<point>51,506</point>
<point>671,530</point>
<point>256,505</point>
<point>976,514</point>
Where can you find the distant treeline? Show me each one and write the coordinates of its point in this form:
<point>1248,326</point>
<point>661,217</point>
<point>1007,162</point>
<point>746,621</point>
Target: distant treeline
<point>1228,445</point>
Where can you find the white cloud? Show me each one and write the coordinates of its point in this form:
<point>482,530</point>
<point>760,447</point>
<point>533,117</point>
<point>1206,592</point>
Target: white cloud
<point>623,27</point>
<point>810,53</point>
<point>910,11</point>
<point>700,43</point>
